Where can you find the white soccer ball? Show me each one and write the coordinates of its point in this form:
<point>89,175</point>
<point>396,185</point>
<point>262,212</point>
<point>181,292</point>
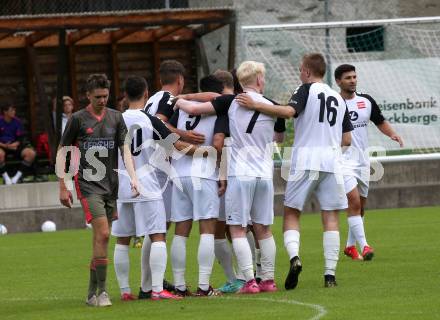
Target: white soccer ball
<point>88,225</point>
<point>48,226</point>
<point>3,230</point>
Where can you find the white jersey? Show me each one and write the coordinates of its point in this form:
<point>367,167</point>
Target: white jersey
<point>320,113</point>
<point>250,153</point>
<point>362,108</point>
<point>196,165</point>
<point>145,130</point>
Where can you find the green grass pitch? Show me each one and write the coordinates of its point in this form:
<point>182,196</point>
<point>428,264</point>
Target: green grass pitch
<point>44,276</point>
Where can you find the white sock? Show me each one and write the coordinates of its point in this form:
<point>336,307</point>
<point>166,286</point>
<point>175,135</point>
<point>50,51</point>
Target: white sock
<point>244,257</point>
<point>6,178</point>
<point>268,254</point>
<point>223,253</point>
<point>205,257</point>
<point>356,227</point>
<point>16,177</point>
<point>145,265</point>
<point>238,273</point>
<point>178,261</point>
<point>122,267</point>
<point>158,264</point>
<point>351,240</point>
<point>251,240</point>
<point>258,263</point>
<point>331,251</point>
<point>291,242</point>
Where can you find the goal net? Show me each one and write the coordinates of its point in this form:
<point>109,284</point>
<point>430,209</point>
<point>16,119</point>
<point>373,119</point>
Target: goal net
<point>397,63</point>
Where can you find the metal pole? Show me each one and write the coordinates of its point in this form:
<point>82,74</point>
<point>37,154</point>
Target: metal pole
<point>167,4</point>
<point>327,44</point>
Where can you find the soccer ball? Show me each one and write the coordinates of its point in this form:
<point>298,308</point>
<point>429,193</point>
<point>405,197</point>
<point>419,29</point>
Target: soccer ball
<point>48,226</point>
<point>3,230</point>
<point>88,225</point>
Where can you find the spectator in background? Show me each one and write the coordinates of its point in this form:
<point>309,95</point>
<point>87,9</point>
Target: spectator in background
<point>68,106</point>
<point>12,141</point>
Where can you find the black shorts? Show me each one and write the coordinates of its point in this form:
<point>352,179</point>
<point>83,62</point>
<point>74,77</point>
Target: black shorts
<point>16,153</point>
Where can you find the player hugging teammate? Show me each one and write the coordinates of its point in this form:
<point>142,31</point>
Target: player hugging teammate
<point>169,172</point>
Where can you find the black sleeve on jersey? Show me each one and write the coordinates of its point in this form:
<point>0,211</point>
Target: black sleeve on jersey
<point>280,123</point>
<point>376,114</point>
<point>70,132</point>
<point>347,126</point>
<point>221,103</point>
<point>299,98</point>
<point>160,130</point>
<point>165,106</point>
<point>174,120</point>
<point>222,125</point>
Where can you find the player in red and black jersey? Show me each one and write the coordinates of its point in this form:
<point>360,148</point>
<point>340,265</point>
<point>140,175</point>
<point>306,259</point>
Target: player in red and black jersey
<point>97,132</point>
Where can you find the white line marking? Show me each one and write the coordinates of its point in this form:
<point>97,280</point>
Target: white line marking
<point>322,311</point>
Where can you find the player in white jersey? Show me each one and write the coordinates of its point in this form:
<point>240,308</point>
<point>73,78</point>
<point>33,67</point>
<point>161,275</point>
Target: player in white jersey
<point>195,195</point>
<point>362,108</point>
<point>145,214</point>
<point>161,105</point>
<point>250,191</point>
<point>321,117</point>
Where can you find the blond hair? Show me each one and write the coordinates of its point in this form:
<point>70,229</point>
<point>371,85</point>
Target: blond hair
<point>248,71</point>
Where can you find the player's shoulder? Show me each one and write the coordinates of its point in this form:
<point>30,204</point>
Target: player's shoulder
<point>361,95</point>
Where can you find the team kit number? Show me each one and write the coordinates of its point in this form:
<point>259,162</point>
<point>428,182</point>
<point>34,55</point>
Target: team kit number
<point>328,104</point>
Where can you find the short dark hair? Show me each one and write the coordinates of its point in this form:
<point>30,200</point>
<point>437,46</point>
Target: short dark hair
<point>169,71</point>
<point>237,86</point>
<point>5,106</point>
<point>211,84</point>
<point>225,77</point>
<point>315,62</point>
<point>97,81</point>
<point>343,68</point>
<point>135,87</point>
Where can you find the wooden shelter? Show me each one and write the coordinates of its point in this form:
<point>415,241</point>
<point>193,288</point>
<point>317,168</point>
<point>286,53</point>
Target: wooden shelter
<point>44,56</point>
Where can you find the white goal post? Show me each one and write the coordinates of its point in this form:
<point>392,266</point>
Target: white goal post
<point>397,63</point>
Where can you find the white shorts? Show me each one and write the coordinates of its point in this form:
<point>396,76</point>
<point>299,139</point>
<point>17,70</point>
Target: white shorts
<point>331,194</point>
<point>350,182</point>
<point>166,185</point>
<point>139,219</point>
<point>193,203</point>
<point>250,199</point>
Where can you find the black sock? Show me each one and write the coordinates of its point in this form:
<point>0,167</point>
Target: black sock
<point>101,274</point>
<point>93,281</point>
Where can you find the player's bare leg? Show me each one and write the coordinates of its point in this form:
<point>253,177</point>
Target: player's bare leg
<point>291,228</point>
<point>267,248</point>
<point>331,244</point>
<point>178,256</point>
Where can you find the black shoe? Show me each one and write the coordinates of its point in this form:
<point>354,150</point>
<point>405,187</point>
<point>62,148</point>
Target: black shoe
<point>207,293</point>
<point>168,286</point>
<point>144,295</point>
<point>183,293</point>
<point>329,281</point>
<point>292,276</point>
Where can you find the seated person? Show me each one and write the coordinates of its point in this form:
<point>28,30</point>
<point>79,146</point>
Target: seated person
<point>12,142</point>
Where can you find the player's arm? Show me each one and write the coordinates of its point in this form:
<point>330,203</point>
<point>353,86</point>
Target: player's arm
<point>244,100</point>
<point>386,128</point>
<point>380,122</point>
<point>189,136</point>
<point>200,96</point>
<point>124,143</point>
<point>221,131</point>
<point>347,128</point>
<point>69,137</point>
<point>165,111</point>
<point>195,109</point>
